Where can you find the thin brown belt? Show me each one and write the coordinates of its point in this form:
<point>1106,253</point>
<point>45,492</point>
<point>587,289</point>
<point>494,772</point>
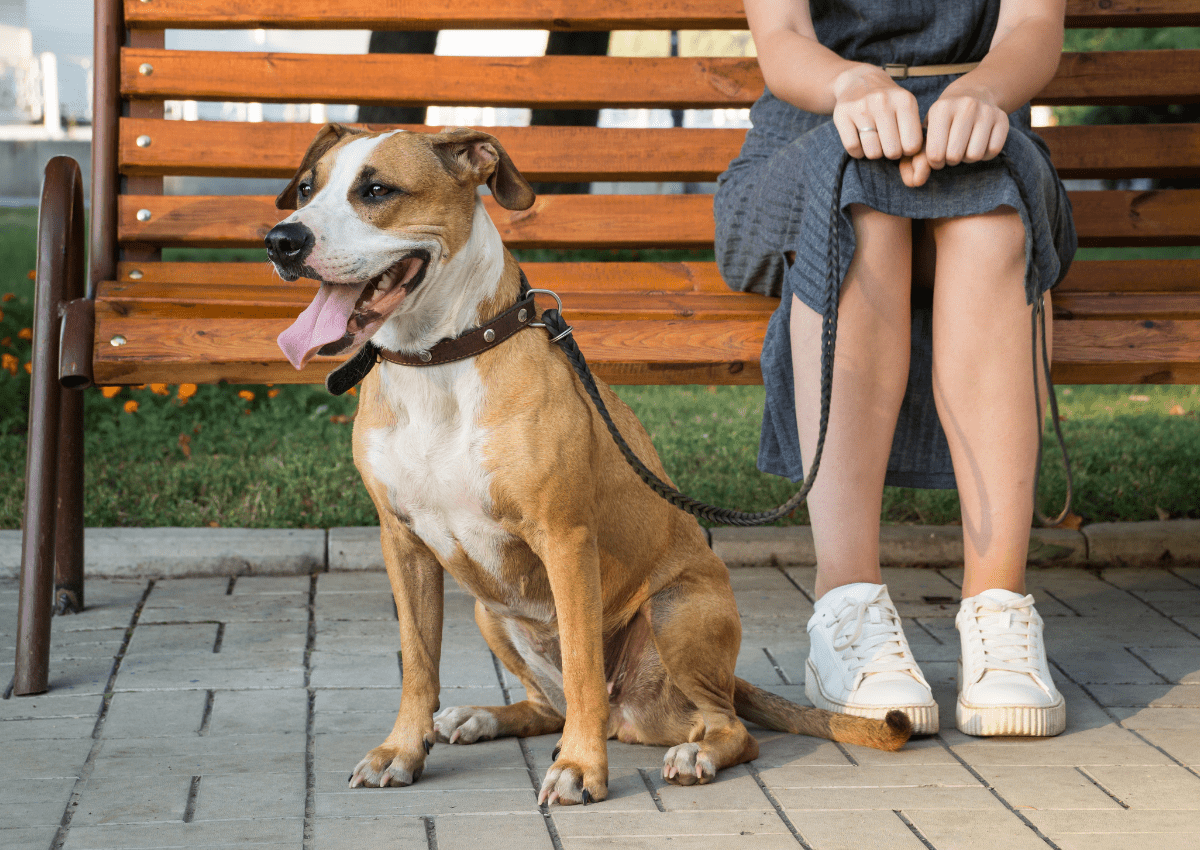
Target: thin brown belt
<point>898,71</point>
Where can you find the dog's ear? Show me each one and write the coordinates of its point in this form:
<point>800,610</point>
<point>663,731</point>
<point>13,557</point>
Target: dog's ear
<point>475,155</point>
<point>328,136</point>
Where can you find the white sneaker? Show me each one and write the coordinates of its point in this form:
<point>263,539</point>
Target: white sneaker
<point>859,662</point>
<point>1004,679</point>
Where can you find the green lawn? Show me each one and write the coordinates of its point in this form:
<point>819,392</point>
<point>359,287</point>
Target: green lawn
<point>282,458</point>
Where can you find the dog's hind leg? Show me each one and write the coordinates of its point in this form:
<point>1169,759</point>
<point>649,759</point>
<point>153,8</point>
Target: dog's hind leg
<point>697,634</point>
<point>534,716</point>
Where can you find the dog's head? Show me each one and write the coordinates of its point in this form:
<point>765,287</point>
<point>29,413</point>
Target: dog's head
<point>378,218</point>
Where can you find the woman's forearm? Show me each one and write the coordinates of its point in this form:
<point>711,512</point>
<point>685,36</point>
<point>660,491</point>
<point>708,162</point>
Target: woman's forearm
<point>1023,58</point>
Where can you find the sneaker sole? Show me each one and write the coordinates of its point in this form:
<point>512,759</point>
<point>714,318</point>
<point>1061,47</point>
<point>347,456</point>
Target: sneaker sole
<point>924,718</point>
<point>984,722</point>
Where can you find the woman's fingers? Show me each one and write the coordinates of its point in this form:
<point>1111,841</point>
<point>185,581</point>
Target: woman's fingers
<point>914,170</point>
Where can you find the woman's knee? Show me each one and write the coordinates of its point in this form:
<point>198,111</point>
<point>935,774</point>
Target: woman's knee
<point>993,240</point>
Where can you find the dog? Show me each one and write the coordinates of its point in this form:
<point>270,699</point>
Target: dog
<point>604,600</point>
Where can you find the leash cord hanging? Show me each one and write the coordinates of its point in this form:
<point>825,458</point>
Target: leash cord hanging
<point>557,327</point>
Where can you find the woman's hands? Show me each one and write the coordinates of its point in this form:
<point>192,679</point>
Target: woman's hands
<point>875,118</point>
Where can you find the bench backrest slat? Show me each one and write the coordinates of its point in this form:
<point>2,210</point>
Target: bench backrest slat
<point>560,14</point>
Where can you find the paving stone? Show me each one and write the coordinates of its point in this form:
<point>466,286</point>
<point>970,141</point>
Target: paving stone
<point>86,643</point>
<point>1096,825</point>
<point>754,666</point>
<point>79,675</point>
<point>28,837</point>
<point>273,585</point>
<point>576,822</point>
<point>1108,665</point>
<point>274,637</point>
<point>880,776</point>
<point>279,795</point>
<point>368,671</point>
<point>734,789</point>
<point>42,728</point>
<point>204,551</point>
<point>340,753</point>
<point>951,829</point>
<point>261,833</point>
<point>378,712</point>
<point>1168,787</point>
<point>355,549</point>
<point>441,777</point>
<point>223,609</point>
<point>394,833</point>
<point>878,830</point>
<point>747,841</point>
<point>211,671</point>
<point>33,802</point>
<point>1026,787</point>
<point>1183,745</point>
<point>152,639</point>
<point>355,606</point>
<point>921,592</point>
<point>241,712</point>
<point>758,546</point>
<point>959,798</point>
<point>776,749</point>
<point>152,714</point>
<point>1107,746</point>
<point>1152,696</point>
<point>125,758</point>
<point>1164,719</point>
<point>48,705</point>
<point>505,832</point>
<point>141,800</point>
<point>1123,841</point>
<point>49,758</point>
<point>1174,664</point>
<point>367,802</point>
<point>354,582</point>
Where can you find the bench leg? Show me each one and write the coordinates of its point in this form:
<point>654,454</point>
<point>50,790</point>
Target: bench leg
<point>53,467</point>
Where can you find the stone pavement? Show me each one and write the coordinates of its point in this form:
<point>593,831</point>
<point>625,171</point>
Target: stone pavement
<point>209,712</point>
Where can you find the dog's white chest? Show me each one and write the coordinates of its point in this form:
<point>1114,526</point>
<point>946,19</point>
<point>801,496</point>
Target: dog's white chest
<point>432,460</point>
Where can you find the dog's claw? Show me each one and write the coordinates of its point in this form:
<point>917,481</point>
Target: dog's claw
<point>428,746</point>
<point>587,796</point>
<point>554,755</point>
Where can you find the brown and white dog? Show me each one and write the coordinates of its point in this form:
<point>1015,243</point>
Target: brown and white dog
<point>604,600</point>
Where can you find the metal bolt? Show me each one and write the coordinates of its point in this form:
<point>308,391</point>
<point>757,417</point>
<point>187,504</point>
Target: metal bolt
<point>489,335</point>
<point>521,315</point>
<point>145,69</point>
<point>143,215</point>
<point>136,274</point>
<point>143,141</point>
<point>117,341</point>
<point>425,356</point>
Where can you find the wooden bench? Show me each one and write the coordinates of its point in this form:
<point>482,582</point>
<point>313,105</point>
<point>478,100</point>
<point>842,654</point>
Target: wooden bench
<point>143,320</point>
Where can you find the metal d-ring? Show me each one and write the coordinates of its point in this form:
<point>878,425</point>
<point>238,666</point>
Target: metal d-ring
<point>557,301</point>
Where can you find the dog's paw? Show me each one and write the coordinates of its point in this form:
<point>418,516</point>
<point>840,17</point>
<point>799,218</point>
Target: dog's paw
<point>685,764</point>
<point>465,724</point>
<point>387,765</point>
<point>568,784</point>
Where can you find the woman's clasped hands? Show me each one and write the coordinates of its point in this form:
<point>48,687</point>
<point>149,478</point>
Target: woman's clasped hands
<point>876,118</point>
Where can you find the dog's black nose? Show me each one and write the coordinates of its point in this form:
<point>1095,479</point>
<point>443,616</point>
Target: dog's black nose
<point>289,242</point>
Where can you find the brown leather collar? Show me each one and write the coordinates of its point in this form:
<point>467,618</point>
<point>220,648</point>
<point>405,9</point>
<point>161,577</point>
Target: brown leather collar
<point>471,343</point>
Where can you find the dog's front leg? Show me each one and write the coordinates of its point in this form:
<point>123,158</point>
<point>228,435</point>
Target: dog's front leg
<point>416,579</point>
<point>580,771</point>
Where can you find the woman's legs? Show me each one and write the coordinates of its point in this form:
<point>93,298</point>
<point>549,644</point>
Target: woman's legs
<point>869,379</point>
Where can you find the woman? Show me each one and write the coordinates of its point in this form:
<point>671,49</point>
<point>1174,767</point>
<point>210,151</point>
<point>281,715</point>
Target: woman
<point>951,226</point>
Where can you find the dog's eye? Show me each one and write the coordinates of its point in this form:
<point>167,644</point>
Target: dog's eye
<point>304,190</point>
<point>378,190</point>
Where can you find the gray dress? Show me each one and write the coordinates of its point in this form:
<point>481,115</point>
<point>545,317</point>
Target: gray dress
<point>778,194</point>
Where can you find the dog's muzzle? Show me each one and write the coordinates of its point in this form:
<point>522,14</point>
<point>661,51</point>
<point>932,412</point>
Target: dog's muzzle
<point>288,245</point>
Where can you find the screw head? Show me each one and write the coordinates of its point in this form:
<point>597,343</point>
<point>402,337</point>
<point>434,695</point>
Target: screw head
<point>489,335</point>
<point>425,356</point>
<point>117,341</point>
<point>143,215</point>
<point>136,274</point>
<point>143,141</point>
<point>522,315</point>
<point>145,69</point>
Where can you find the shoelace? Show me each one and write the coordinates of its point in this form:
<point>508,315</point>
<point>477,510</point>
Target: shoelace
<point>1006,635</point>
<point>882,648</point>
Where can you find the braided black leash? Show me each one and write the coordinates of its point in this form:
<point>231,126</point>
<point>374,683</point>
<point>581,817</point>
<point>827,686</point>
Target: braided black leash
<point>561,332</point>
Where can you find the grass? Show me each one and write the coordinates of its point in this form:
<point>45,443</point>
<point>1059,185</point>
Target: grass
<point>279,457</point>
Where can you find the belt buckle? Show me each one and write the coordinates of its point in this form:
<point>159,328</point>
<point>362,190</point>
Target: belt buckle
<point>896,70</point>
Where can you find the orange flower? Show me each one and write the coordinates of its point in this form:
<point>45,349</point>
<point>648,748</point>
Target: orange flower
<point>6,342</point>
<point>246,394</point>
<point>272,393</point>
<point>1,314</point>
<point>160,389</point>
<point>353,391</point>
<point>186,391</point>
<point>25,333</point>
<point>9,363</point>
<point>29,368</point>
<point>9,296</point>
<point>131,406</point>
<point>110,392</point>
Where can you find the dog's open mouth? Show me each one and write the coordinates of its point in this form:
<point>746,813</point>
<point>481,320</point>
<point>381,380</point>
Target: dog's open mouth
<point>343,312</point>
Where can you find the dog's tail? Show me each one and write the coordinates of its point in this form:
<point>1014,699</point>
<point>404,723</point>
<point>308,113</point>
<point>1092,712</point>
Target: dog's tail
<point>773,712</point>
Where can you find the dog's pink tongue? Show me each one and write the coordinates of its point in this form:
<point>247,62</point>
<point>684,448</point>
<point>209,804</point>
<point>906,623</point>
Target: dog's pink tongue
<point>322,322</point>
